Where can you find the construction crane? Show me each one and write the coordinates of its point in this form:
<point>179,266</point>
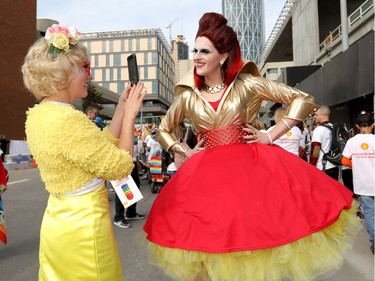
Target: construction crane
<point>170,30</point>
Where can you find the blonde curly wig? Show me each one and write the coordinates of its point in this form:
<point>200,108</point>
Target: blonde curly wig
<point>43,75</point>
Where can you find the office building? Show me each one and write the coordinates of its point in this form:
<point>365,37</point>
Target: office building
<point>246,17</point>
<point>108,56</point>
<point>180,55</point>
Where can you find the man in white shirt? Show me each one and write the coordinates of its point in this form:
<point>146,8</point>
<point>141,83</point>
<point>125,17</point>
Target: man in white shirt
<point>321,142</point>
<point>359,154</point>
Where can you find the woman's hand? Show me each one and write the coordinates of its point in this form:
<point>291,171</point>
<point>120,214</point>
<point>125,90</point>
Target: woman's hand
<point>132,99</point>
<point>255,135</point>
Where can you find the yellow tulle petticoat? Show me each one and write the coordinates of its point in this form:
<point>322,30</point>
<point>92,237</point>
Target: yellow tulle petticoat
<point>318,254</point>
<point>77,240</point>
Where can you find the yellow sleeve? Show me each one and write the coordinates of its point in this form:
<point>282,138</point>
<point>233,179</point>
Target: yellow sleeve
<point>83,144</point>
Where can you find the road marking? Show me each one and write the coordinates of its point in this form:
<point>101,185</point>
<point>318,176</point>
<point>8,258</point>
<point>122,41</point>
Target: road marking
<point>14,182</point>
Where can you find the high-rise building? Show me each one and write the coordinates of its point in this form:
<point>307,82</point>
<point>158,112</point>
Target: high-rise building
<point>108,53</point>
<point>180,55</point>
<point>246,17</point>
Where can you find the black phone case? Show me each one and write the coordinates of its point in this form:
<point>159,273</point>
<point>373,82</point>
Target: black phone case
<point>133,69</point>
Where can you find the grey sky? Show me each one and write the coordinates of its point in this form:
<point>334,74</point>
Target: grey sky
<point>99,15</point>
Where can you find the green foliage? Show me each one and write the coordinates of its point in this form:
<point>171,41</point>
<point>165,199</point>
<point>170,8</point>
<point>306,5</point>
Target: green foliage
<point>93,98</point>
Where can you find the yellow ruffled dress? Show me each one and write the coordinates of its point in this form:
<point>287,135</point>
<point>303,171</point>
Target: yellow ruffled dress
<point>77,240</point>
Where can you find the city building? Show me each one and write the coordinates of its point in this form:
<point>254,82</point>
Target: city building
<point>180,55</point>
<point>108,53</point>
<point>325,48</point>
<point>246,17</point>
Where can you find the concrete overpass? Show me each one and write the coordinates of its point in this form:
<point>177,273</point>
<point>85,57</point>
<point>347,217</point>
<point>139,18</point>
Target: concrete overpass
<point>306,50</point>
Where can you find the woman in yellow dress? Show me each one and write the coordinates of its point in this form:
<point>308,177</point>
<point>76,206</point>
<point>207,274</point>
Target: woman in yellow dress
<point>75,158</point>
<point>240,208</point>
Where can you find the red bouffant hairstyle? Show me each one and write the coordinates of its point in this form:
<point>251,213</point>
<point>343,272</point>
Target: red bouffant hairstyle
<point>214,27</point>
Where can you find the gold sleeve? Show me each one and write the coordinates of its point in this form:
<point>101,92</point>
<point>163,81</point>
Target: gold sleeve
<point>300,103</point>
<point>169,129</point>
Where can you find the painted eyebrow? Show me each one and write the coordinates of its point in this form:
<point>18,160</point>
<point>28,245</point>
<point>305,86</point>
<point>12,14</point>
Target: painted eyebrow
<point>203,50</point>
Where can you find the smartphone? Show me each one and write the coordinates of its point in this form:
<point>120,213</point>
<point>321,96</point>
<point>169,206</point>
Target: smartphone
<point>133,69</point>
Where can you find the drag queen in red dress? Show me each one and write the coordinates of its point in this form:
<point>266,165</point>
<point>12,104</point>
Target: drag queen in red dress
<point>240,208</point>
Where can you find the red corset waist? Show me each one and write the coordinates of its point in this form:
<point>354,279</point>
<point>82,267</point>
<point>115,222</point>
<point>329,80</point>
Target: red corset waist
<point>223,136</point>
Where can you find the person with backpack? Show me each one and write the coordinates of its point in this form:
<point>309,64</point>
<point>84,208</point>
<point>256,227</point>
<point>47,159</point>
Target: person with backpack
<point>321,143</point>
<point>359,154</point>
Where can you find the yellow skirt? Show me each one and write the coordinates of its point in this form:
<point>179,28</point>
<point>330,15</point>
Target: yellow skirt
<point>318,254</point>
<point>77,240</point>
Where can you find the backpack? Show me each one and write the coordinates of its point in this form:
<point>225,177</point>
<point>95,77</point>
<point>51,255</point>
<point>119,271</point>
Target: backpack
<point>339,138</point>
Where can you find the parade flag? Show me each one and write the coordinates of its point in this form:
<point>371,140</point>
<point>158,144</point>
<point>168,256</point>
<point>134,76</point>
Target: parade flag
<point>127,191</point>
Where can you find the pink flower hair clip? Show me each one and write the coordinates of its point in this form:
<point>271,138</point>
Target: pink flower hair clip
<point>61,38</point>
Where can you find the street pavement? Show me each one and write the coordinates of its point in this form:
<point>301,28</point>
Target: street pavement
<point>24,204</point>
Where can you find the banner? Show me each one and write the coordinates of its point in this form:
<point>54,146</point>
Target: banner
<point>127,191</point>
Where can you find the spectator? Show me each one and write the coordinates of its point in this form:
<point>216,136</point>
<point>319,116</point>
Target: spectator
<point>321,143</point>
<point>291,140</point>
<point>359,154</point>
<point>75,158</point>
<point>92,112</point>
<point>131,212</point>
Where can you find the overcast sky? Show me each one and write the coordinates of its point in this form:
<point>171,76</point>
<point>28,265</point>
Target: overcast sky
<point>109,15</point>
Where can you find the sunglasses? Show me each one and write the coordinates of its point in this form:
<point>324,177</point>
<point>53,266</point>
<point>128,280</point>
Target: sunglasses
<point>86,65</point>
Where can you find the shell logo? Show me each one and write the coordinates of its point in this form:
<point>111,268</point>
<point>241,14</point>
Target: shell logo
<point>289,133</point>
<point>364,146</point>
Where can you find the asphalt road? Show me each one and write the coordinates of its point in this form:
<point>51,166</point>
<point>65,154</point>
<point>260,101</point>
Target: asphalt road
<point>24,204</point>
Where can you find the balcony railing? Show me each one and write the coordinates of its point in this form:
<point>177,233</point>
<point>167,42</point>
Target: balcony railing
<point>352,19</point>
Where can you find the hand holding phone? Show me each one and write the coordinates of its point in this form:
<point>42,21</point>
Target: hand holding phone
<point>133,69</point>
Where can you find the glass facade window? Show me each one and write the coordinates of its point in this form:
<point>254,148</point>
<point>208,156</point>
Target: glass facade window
<point>154,59</point>
<point>96,60</point>
<point>122,45</point>
<point>272,70</point>
<point>155,87</point>
<point>118,73</point>
<point>111,74</point>
<point>130,44</point>
<point>116,59</point>
<point>111,46</point>
<point>120,87</point>
<point>104,76</point>
<point>145,73</point>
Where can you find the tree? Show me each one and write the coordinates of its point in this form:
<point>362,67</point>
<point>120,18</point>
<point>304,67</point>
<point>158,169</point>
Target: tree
<point>93,98</point>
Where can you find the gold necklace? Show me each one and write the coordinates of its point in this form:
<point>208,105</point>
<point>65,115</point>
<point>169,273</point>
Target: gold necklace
<point>213,89</point>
